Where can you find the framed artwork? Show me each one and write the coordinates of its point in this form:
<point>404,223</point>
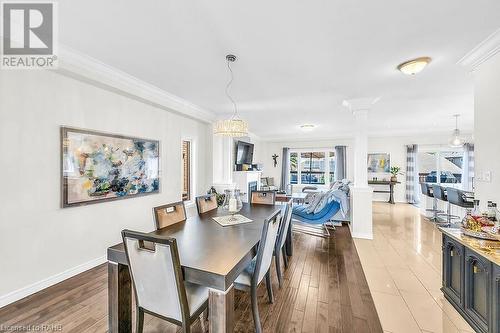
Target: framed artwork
<point>97,167</point>
<point>379,163</point>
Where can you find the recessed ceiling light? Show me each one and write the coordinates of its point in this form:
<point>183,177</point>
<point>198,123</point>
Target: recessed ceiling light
<point>307,127</point>
<point>414,66</point>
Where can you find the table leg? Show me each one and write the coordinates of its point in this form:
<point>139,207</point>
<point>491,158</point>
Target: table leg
<point>119,298</point>
<point>221,310</point>
<point>391,193</point>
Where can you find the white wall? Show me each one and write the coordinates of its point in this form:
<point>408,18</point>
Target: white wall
<point>271,148</point>
<point>38,239</point>
<point>487,129</point>
<point>394,145</point>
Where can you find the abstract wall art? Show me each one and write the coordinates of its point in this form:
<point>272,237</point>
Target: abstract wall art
<point>99,167</point>
<point>379,163</point>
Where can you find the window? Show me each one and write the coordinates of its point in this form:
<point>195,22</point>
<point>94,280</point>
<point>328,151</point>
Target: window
<point>445,162</point>
<point>312,167</point>
<point>186,170</point>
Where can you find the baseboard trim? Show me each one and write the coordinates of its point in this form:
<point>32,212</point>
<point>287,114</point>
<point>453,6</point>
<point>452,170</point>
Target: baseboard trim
<point>50,281</point>
<point>362,235</point>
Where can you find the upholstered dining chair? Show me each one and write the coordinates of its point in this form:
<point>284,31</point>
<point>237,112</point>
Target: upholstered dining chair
<point>281,239</point>
<point>260,266</point>
<point>159,286</point>
<point>169,214</point>
<point>206,203</point>
<point>263,197</point>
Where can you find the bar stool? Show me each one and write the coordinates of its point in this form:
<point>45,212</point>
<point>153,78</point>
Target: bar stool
<point>427,190</point>
<point>440,194</point>
<point>457,197</point>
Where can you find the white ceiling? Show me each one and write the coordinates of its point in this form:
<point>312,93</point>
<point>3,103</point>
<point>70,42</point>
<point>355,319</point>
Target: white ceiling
<point>297,59</point>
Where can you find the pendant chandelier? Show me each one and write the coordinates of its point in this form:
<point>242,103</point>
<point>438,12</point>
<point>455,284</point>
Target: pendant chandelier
<point>234,126</point>
<point>456,140</point>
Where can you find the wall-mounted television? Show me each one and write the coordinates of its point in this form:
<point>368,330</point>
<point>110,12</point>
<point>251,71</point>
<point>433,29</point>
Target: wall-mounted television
<point>244,153</point>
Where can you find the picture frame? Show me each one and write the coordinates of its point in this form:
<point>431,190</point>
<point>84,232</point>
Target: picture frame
<point>98,166</point>
<point>379,162</point>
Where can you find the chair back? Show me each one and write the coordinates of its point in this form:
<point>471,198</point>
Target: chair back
<point>206,203</point>
<point>169,214</point>
<point>438,192</point>
<point>263,197</point>
<point>456,197</point>
<point>426,190</point>
<point>156,274</point>
<point>285,224</point>
<point>266,246</point>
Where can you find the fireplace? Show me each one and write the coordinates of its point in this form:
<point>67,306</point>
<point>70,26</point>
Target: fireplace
<point>252,186</point>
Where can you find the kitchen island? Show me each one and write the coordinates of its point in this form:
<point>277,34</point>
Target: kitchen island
<point>471,278</point>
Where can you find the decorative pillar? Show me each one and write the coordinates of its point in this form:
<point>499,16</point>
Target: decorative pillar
<point>361,194</point>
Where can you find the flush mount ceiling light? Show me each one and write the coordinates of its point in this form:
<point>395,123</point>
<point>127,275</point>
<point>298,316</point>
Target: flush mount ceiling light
<point>234,126</point>
<point>414,66</point>
<point>456,140</point>
<point>307,127</point>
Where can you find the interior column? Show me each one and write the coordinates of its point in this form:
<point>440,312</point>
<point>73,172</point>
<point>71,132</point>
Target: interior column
<point>222,150</point>
<point>361,193</point>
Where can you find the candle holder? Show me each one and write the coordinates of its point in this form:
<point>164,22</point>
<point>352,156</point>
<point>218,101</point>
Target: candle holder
<point>232,202</point>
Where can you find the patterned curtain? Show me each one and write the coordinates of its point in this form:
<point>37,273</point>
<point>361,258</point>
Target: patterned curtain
<point>284,169</point>
<point>468,167</point>
<point>340,163</point>
<point>411,174</point>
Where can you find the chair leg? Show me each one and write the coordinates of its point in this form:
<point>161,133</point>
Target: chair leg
<point>285,258</point>
<point>139,320</point>
<point>269,286</point>
<point>186,327</point>
<point>278,267</point>
<point>255,310</point>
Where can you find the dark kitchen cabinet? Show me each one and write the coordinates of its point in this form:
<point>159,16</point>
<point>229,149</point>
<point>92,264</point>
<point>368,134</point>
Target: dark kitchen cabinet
<point>453,270</point>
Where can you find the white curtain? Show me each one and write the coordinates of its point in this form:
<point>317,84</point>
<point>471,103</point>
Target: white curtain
<point>468,167</point>
<point>412,196</point>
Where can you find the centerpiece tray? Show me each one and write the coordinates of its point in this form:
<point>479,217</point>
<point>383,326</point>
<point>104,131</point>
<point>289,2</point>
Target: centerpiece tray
<point>479,234</point>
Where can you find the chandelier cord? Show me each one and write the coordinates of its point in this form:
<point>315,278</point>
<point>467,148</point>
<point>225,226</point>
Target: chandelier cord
<point>227,90</point>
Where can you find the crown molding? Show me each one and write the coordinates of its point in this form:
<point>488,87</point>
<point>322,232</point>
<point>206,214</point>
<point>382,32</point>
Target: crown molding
<point>482,52</point>
<point>85,68</point>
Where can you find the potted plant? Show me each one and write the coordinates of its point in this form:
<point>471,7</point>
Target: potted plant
<point>395,171</point>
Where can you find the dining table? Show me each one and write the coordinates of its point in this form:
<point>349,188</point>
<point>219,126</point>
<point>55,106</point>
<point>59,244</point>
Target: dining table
<point>210,255</point>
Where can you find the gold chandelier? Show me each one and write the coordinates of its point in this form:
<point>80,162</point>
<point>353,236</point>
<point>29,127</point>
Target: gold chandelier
<point>234,126</point>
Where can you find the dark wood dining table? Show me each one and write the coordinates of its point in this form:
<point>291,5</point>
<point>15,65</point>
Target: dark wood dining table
<point>210,255</point>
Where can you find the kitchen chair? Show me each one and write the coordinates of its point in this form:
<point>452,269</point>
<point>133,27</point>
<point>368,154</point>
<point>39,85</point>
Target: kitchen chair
<point>260,266</point>
<point>280,241</point>
<point>440,194</point>
<point>263,197</point>
<point>169,214</point>
<point>159,286</point>
<point>206,203</point>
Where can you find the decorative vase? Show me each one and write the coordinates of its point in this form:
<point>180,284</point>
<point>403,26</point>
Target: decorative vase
<point>394,178</point>
<point>232,201</point>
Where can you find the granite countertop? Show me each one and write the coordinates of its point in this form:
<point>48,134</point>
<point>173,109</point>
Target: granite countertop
<point>486,248</point>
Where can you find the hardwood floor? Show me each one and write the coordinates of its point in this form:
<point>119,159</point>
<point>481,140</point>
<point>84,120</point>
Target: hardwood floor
<point>324,290</point>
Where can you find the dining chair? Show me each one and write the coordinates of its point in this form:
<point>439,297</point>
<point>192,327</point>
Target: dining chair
<point>169,214</point>
<point>263,197</point>
<point>159,286</point>
<point>281,239</point>
<point>260,266</point>
<point>206,203</point>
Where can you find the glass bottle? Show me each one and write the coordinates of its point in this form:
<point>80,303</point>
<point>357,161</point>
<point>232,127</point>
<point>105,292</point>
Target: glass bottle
<point>476,212</point>
<point>467,217</point>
